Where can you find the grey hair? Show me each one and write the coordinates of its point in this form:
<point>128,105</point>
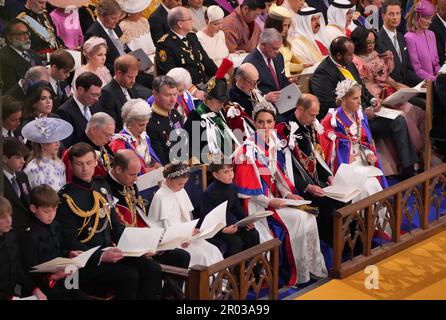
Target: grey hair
<point>175,15</point>
<point>36,73</point>
<point>135,110</point>
<point>270,35</point>
<point>100,120</point>
<point>181,75</point>
<point>161,81</point>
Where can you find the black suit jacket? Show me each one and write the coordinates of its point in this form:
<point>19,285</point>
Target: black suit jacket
<point>20,211</point>
<point>13,66</point>
<point>58,100</point>
<point>403,71</point>
<point>69,111</point>
<point>112,52</point>
<point>112,100</point>
<point>267,83</point>
<point>158,23</point>
<point>17,92</point>
<point>439,29</point>
<point>324,81</point>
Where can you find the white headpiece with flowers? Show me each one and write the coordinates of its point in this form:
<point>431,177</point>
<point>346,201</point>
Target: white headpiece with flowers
<point>263,106</point>
<point>344,87</point>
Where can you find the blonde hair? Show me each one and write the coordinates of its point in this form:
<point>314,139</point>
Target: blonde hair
<point>412,18</point>
<point>5,206</point>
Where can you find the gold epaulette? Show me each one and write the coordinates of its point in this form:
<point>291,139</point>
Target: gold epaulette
<point>21,15</point>
<point>163,38</point>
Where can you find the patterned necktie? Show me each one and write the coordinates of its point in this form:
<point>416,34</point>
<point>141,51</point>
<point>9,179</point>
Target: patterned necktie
<point>27,56</point>
<point>15,186</point>
<point>273,74</point>
<point>87,113</point>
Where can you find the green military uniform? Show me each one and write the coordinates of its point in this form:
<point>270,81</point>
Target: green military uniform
<point>172,52</point>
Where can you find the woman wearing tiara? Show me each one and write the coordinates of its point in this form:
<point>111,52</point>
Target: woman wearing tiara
<point>136,114</point>
<point>263,185</point>
<point>347,138</point>
<point>171,205</point>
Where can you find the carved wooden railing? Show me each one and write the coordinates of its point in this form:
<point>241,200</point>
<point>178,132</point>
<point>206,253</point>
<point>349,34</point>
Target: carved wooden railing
<point>232,278</point>
<point>356,224</point>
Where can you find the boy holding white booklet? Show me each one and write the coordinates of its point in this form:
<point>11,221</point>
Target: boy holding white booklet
<point>41,243</point>
<point>219,191</point>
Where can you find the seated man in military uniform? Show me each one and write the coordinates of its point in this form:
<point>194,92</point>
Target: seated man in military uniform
<point>132,209</point>
<point>43,32</point>
<point>181,48</point>
<point>88,219</point>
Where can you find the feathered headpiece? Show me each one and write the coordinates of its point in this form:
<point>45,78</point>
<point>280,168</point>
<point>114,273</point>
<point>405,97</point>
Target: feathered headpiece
<point>344,87</point>
<point>217,87</point>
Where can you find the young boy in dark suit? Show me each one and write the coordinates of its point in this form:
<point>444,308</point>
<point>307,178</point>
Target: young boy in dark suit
<point>14,282</point>
<point>16,184</point>
<point>41,243</point>
<point>219,191</point>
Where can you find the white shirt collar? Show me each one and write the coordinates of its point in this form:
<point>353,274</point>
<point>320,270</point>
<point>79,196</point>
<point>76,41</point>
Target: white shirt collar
<point>165,8</point>
<point>105,28</point>
<point>114,178</point>
<point>179,36</point>
<point>5,132</point>
<point>264,57</point>
<point>441,19</point>
<point>390,33</point>
<point>336,64</point>
<point>53,83</point>
<point>79,104</point>
<point>8,174</point>
<point>17,50</point>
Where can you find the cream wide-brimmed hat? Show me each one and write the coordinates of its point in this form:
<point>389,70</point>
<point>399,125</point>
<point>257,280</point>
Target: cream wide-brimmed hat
<point>133,6</point>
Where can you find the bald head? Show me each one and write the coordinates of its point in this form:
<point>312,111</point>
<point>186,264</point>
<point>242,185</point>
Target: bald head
<point>126,166</point>
<point>307,109</point>
<point>179,20</point>
<point>246,77</point>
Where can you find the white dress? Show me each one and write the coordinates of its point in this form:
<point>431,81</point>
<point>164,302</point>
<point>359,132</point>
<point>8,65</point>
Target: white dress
<point>371,185</point>
<point>46,171</point>
<point>168,208</point>
<point>214,46</point>
<point>302,229</point>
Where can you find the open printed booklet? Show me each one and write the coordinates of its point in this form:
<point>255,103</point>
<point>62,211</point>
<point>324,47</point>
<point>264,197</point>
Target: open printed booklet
<point>404,94</point>
<point>253,218</point>
<point>288,98</point>
<point>61,263</point>
<point>150,179</point>
<point>213,222</point>
<point>388,113</point>
<point>177,234</point>
<point>296,203</point>
<point>135,242</point>
<point>349,180</point>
